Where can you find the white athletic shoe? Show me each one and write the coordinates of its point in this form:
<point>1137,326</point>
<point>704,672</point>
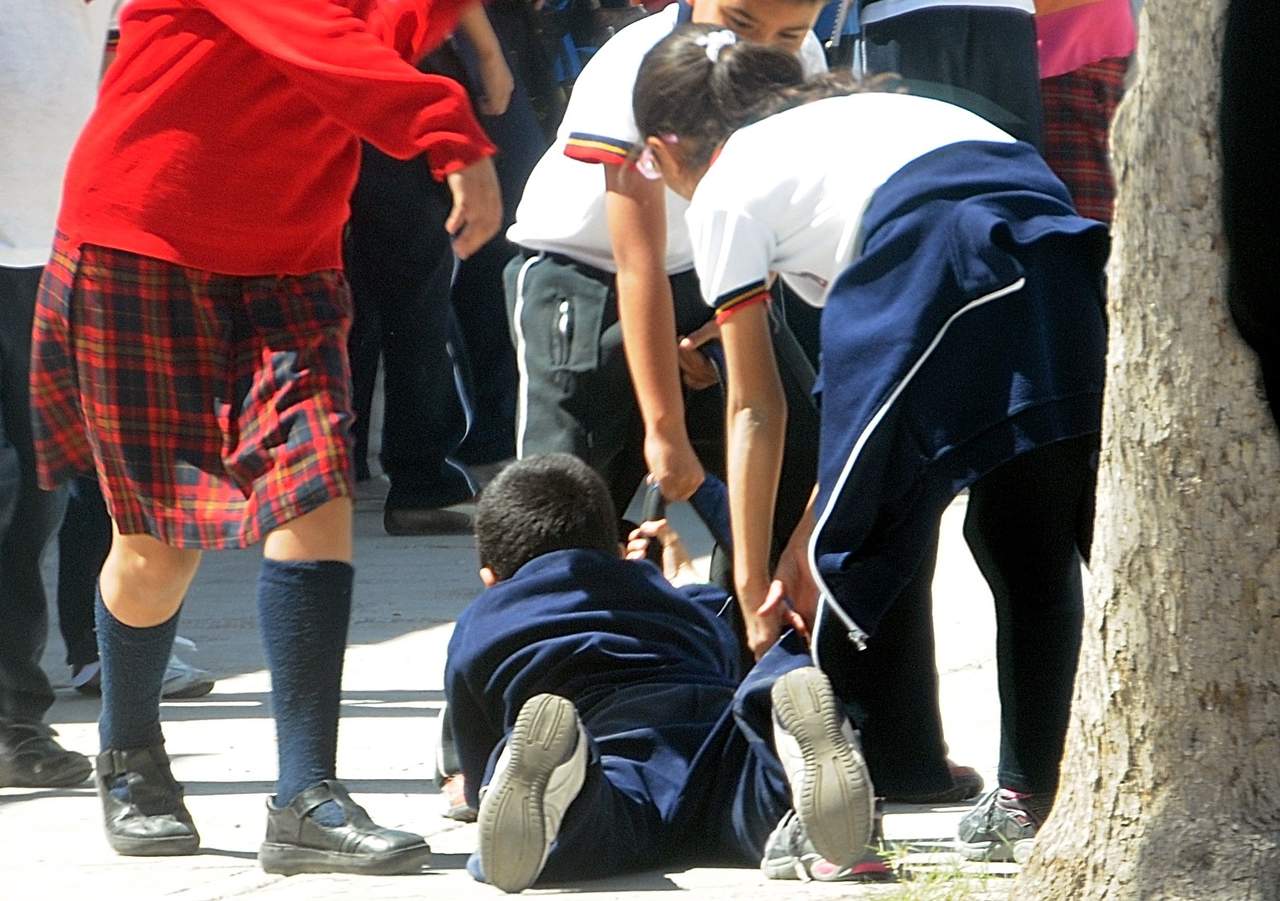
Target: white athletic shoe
<point>536,778</point>
<point>181,679</point>
<point>831,789</point>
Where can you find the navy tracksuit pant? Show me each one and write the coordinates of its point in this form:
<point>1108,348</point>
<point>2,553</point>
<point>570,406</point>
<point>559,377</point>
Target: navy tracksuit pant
<point>676,772</point>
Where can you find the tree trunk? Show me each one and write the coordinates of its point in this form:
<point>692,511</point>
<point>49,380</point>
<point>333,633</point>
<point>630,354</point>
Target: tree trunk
<point>1171,779</point>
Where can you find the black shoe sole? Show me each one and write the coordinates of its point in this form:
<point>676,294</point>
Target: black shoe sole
<point>513,839</point>
<point>172,846</point>
<point>72,772</point>
<point>290,860</point>
<point>836,805</point>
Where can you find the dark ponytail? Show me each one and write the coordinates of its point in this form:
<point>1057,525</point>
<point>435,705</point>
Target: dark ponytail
<point>704,96</point>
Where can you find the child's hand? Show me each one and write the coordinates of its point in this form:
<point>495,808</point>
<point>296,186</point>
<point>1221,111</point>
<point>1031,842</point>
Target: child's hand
<point>696,369</point>
<point>676,565</point>
<point>477,207</point>
<point>672,463</point>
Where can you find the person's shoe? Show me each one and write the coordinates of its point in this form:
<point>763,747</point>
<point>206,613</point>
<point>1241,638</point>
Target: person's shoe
<point>142,807</point>
<point>966,784</point>
<point>831,789</point>
<point>296,843</point>
<point>536,778</point>
<point>182,680</point>
<point>1002,826</point>
<point>454,790</point>
<point>86,678</point>
<point>30,757</point>
<point>425,521</point>
<point>788,854</point>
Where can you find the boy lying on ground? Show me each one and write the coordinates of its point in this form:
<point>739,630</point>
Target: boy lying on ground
<point>602,719</point>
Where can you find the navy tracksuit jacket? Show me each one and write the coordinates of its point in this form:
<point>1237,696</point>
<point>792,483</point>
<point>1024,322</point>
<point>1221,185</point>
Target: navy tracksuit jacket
<point>968,331</point>
<point>682,763</point>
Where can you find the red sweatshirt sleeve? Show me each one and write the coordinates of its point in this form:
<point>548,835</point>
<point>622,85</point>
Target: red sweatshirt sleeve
<point>344,65</point>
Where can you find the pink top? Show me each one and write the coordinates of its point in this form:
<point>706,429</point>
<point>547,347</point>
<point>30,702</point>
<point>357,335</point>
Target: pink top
<point>1075,33</point>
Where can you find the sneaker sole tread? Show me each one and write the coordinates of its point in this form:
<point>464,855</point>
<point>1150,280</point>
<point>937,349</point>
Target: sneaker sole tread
<point>513,841</point>
<point>836,804</point>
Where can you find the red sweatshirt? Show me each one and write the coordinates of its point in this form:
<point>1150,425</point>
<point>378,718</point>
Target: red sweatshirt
<point>225,136</point>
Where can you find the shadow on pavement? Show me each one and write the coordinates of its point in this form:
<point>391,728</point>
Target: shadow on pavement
<point>253,704</point>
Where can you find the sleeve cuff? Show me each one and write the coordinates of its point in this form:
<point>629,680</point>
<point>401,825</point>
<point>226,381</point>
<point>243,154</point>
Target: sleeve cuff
<point>588,148</point>
<point>458,150</point>
<point>730,303</point>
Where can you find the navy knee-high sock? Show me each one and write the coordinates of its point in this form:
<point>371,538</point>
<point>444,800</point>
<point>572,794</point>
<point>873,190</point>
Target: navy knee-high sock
<point>303,611</point>
<point>133,665</point>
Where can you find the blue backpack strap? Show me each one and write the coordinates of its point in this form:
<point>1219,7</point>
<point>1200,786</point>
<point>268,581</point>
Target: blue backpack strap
<point>685,15</point>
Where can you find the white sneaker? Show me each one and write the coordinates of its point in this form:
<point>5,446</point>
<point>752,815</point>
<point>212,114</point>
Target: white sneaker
<point>831,789</point>
<point>182,680</point>
<point>536,778</point>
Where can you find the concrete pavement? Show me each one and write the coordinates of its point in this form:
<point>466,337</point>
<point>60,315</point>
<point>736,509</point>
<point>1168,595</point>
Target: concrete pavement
<point>408,590</point>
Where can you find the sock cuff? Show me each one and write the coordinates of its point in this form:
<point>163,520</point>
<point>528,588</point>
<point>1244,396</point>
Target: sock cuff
<point>326,570</point>
<point>103,615</point>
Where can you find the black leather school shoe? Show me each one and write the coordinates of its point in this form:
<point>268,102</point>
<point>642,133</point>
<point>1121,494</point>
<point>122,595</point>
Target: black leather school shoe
<point>296,843</point>
<point>30,757</point>
<point>151,820</point>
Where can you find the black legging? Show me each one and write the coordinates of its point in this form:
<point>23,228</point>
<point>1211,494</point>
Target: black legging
<point>1024,527</point>
<point>1026,524</point>
<point>1249,133</point>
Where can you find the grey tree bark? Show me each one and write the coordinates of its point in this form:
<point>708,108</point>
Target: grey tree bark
<point>1171,779</point>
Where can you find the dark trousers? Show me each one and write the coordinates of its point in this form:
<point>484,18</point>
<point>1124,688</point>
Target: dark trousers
<point>478,298</point>
<point>1026,525</point>
<point>1249,137</point>
<point>891,690</point>
<point>677,773</point>
<point>981,58</point>
<point>400,265</point>
<point>28,516</point>
<point>576,392</point>
<point>83,543</point>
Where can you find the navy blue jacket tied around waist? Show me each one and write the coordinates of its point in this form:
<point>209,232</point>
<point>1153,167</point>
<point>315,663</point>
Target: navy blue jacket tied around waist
<point>968,331</point>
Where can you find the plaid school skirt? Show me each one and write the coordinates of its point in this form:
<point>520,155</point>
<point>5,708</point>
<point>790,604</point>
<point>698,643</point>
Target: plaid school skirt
<point>213,408</point>
<point>1078,109</point>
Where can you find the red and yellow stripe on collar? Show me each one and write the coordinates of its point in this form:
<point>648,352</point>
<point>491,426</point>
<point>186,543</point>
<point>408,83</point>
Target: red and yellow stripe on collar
<point>732,302</point>
<point>589,148</point>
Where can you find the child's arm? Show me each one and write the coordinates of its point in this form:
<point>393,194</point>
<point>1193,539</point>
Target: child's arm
<point>757,415</point>
<point>495,75</point>
<point>636,210</point>
<point>340,63</point>
<point>475,734</point>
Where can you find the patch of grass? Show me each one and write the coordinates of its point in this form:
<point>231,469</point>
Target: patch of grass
<point>933,876</point>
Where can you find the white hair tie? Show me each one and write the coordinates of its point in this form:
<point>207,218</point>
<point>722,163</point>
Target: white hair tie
<point>715,42</point>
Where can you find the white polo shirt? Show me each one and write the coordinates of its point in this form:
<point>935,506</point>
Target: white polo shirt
<point>562,209</point>
<point>787,194</point>
<point>50,60</point>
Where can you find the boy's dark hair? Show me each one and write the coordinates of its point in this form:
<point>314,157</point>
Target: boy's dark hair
<point>541,504</point>
<point>682,90</point>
